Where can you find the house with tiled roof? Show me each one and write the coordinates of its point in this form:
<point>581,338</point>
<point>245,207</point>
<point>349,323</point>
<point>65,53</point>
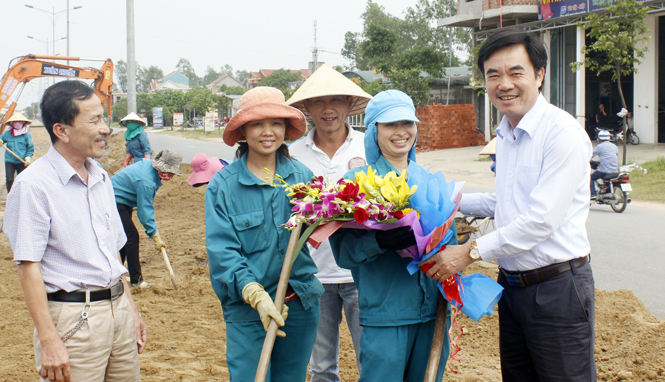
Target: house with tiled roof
<point>174,80</point>
<point>227,80</point>
<point>255,77</point>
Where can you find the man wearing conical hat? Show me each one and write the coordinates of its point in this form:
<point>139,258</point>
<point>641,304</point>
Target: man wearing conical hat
<point>331,149</point>
<point>16,139</point>
<point>138,145</point>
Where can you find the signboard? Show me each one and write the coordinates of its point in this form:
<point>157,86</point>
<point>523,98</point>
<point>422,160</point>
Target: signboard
<point>55,70</point>
<point>209,120</point>
<point>158,117</point>
<point>559,8</point>
<point>178,118</point>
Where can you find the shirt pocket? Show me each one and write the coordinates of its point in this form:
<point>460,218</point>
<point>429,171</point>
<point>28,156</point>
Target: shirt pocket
<point>250,231</point>
<point>526,180</point>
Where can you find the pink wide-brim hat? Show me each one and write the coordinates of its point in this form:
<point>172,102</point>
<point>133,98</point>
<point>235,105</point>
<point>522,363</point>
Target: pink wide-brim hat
<point>261,103</point>
<point>204,169</point>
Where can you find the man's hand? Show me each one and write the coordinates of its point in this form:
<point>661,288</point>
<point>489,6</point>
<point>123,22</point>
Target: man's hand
<point>450,261</point>
<point>141,332</point>
<point>55,360</point>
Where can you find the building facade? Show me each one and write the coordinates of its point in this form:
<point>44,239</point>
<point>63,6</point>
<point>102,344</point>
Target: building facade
<point>579,93</point>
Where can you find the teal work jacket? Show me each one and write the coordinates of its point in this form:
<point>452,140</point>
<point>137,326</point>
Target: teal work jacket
<point>246,238</point>
<point>387,294</point>
<point>136,186</point>
<point>21,145</point>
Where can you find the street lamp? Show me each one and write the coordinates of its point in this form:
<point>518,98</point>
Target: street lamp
<point>52,14</point>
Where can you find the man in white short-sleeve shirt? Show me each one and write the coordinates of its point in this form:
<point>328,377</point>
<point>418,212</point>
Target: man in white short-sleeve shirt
<point>331,149</point>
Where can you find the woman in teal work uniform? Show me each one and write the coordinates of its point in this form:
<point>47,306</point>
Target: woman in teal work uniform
<point>17,139</point>
<point>246,242</point>
<point>138,145</point>
<point>397,310</point>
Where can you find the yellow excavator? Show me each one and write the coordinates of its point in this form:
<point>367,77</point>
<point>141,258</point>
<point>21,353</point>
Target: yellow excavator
<point>23,69</point>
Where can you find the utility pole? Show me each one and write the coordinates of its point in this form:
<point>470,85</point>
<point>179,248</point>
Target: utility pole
<point>131,59</point>
<point>68,32</point>
<point>315,52</point>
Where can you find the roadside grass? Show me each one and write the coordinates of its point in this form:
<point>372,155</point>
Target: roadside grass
<point>483,158</point>
<point>649,186</point>
<point>195,133</point>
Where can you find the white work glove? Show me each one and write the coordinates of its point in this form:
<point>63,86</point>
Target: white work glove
<point>259,299</point>
<point>27,161</point>
<point>1,142</point>
<point>159,244</point>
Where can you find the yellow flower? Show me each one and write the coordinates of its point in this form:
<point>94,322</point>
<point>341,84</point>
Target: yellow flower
<point>367,182</point>
<point>396,190</point>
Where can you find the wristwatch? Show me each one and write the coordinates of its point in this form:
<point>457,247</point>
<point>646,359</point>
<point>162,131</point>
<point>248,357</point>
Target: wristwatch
<point>474,253</point>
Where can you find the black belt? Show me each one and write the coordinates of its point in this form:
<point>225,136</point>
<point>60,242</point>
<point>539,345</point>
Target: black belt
<point>79,296</point>
<point>522,279</point>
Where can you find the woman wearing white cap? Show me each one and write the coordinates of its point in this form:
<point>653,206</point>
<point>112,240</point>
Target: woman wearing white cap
<point>19,141</point>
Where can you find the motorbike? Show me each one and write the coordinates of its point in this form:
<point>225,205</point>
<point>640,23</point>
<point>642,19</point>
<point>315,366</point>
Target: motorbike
<point>633,139</point>
<point>613,189</point>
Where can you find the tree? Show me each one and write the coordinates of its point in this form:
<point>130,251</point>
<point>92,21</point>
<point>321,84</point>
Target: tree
<point>280,79</point>
<point>617,34</point>
<point>145,77</point>
<point>119,110</point>
<point>232,90</point>
<point>186,68</point>
<point>210,76</point>
<point>121,75</point>
<point>379,47</point>
<point>226,69</point>
<point>241,75</point>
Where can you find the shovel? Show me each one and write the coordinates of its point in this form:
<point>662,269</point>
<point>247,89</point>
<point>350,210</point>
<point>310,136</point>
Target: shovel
<point>168,266</point>
<point>437,341</point>
<point>10,151</point>
<point>269,342</point>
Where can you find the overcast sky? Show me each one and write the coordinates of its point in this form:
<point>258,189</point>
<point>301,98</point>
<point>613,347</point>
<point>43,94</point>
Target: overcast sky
<point>250,35</point>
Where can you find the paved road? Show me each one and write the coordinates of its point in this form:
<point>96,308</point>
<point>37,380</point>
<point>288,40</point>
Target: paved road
<point>190,147</point>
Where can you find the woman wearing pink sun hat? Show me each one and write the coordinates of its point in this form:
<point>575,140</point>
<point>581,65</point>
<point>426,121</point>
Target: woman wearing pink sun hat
<point>204,169</point>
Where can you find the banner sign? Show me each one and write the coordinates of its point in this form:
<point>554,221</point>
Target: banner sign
<point>178,118</point>
<point>55,70</point>
<point>559,8</point>
<point>158,117</point>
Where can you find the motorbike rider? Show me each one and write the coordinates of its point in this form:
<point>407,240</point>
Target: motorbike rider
<point>609,159</point>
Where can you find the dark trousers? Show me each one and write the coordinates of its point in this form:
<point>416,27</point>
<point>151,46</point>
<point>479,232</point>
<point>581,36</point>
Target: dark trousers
<point>131,249</point>
<point>546,330</point>
<point>595,176</point>
<point>10,169</point>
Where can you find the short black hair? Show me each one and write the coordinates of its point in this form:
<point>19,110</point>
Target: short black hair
<point>59,103</point>
<point>534,46</point>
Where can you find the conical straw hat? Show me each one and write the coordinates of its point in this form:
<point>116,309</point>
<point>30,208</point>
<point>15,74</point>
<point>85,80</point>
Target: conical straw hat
<point>132,117</point>
<point>18,117</point>
<point>489,149</point>
<point>326,81</point>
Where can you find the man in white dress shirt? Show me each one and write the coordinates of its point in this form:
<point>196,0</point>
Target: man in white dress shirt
<point>540,206</point>
<point>331,149</point>
<point>63,225</point>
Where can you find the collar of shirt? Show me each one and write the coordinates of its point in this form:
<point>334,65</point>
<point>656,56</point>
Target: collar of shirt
<point>245,177</point>
<point>309,138</point>
<point>528,124</point>
<point>66,171</point>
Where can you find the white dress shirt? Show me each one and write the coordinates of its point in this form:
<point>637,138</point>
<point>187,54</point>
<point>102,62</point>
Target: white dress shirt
<point>541,199</point>
<point>350,155</point>
<point>73,229</point>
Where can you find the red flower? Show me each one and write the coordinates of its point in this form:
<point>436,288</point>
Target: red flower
<point>349,192</point>
<point>360,215</point>
<point>397,214</point>
<point>300,192</point>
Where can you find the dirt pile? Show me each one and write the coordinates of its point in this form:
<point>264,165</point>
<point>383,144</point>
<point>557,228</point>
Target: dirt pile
<point>186,328</point>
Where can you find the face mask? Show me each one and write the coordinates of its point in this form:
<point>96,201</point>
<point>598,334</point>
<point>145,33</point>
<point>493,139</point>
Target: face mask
<point>165,175</point>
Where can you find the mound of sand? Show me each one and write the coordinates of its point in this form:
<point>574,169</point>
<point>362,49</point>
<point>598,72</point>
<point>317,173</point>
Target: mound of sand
<point>186,328</point>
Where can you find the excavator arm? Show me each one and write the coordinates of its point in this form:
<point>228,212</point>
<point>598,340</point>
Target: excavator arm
<point>32,66</point>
